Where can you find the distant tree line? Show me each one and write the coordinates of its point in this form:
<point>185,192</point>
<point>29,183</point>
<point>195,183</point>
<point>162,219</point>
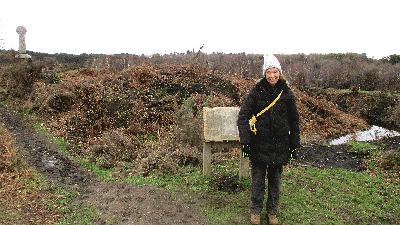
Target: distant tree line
<point>341,71</point>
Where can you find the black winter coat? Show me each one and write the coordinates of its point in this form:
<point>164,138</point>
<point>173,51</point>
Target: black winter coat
<point>278,129</point>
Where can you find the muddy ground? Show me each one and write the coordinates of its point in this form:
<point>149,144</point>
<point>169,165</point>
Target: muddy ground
<point>137,204</point>
<point>122,203</point>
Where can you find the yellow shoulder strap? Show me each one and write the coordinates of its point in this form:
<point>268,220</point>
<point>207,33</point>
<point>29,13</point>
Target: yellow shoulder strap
<point>253,120</point>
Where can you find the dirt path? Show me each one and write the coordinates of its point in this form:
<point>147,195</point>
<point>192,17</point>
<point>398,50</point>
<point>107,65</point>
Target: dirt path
<point>119,203</point>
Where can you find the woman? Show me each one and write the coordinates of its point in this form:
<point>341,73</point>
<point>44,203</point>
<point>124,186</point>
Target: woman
<point>271,141</point>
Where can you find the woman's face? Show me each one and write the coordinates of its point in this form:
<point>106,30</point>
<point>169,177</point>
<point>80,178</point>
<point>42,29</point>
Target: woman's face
<point>272,75</point>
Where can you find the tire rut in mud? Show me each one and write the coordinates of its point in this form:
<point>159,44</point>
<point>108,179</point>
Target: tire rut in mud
<point>43,155</point>
<point>116,202</point>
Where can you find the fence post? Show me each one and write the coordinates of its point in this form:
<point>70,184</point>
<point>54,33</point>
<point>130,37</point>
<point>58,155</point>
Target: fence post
<point>206,159</point>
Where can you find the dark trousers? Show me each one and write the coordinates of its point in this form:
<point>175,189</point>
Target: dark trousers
<point>258,173</point>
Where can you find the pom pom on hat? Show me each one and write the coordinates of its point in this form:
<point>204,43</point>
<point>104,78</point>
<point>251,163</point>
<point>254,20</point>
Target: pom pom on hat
<point>270,61</point>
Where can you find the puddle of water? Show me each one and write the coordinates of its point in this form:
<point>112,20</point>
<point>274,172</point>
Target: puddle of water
<point>375,133</point>
<point>51,163</point>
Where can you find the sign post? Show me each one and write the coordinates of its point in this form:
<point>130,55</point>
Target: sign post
<point>220,131</point>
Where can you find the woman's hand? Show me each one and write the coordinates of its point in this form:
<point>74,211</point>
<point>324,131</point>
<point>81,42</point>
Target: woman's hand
<point>293,155</point>
<point>246,151</point>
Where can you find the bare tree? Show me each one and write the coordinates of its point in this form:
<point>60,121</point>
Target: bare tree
<point>2,40</point>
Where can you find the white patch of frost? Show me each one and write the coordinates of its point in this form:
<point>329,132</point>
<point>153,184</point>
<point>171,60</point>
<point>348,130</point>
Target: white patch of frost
<point>375,133</point>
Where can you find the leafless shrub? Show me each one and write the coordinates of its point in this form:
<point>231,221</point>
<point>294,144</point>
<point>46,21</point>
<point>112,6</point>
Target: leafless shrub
<point>114,146</point>
<point>394,114</point>
<point>51,99</point>
<point>141,74</point>
<point>7,151</point>
<point>390,160</point>
<point>189,123</point>
<point>20,77</point>
<point>167,159</point>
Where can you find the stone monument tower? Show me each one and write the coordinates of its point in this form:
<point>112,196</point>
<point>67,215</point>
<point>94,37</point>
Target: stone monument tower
<point>22,47</point>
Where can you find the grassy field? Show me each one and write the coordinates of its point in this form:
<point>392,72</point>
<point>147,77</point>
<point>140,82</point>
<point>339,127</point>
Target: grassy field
<point>308,195</point>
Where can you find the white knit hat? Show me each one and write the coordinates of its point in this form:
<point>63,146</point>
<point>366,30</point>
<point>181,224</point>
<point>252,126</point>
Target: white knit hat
<point>270,61</point>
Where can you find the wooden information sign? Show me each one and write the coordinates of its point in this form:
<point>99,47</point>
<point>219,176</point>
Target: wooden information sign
<point>220,131</point>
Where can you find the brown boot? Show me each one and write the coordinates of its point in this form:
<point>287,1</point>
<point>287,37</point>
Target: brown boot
<point>255,219</point>
<point>272,219</point>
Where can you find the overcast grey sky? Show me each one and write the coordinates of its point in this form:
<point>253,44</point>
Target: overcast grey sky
<point>167,26</point>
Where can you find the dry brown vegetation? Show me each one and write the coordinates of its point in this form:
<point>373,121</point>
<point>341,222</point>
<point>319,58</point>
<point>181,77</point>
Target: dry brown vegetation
<point>150,115</point>
<point>21,196</point>
<point>148,119</point>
